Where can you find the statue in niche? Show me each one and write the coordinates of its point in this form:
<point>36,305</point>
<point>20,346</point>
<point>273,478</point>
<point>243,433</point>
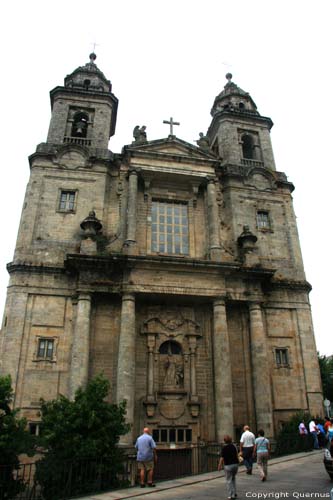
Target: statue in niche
<point>173,367</point>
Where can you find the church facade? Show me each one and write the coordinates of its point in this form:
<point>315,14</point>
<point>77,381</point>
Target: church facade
<point>173,269</point>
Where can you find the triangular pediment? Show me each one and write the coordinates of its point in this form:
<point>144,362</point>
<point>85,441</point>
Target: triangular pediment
<point>172,146</point>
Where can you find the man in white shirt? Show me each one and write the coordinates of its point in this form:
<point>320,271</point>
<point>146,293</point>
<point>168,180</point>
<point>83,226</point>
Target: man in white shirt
<point>314,432</point>
<point>246,448</point>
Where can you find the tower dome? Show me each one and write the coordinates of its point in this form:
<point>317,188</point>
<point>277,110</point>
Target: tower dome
<point>233,98</point>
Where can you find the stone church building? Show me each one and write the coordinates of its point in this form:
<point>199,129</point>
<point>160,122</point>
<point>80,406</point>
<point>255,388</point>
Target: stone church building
<point>175,269</point>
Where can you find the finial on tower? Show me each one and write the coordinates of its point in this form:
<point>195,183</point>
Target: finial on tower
<point>92,57</point>
<point>228,77</point>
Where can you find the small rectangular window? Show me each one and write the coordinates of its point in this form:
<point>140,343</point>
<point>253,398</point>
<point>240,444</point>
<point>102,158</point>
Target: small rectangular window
<point>188,435</point>
<point>180,435</point>
<point>34,428</point>
<point>281,357</point>
<point>67,201</point>
<point>164,435</point>
<point>45,348</point>
<point>156,435</point>
<point>263,220</point>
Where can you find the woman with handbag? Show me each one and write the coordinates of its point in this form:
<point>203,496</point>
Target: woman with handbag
<point>262,449</point>
<point>229,458</point>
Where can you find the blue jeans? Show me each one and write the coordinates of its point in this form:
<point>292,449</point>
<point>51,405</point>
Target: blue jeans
<point>315,440</point>
<point>248,456</point>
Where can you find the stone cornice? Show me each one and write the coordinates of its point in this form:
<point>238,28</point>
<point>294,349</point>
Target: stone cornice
<point>26,267</point>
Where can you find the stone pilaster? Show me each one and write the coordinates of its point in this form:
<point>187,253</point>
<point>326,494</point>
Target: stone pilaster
<point>80,348</point>
<point>132,210</point>
<point>215,250</point>
<point>310,362</point>
<point>260,371</point>
<point>126,362</point>
<point>224,420</point>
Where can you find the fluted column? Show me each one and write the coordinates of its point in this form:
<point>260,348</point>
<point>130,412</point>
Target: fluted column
<point>213,221</point>
<point>224,419</point>
<point>126,361</point>
<point>260,371</point>
<point>80,347</point>
<point>132,208</point>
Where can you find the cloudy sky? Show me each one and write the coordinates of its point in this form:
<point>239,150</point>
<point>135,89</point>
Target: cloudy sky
<point>169,58</point>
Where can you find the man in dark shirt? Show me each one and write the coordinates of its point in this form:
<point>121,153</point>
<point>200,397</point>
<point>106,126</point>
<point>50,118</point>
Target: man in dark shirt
<point>229,458</point>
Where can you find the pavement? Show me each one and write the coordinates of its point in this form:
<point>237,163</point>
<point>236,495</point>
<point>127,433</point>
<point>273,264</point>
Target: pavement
<point>298,476</point>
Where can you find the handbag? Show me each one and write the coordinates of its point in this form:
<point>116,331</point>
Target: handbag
<point>240,458</point>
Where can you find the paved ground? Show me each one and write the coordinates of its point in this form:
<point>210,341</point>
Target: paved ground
<point>298,477</point>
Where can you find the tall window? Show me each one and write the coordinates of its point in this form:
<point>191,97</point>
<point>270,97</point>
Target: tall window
<point>67,201</point>
<point>248,146</point>
<point>263,220</point>
<point>169,229</point>
<point>281,357</point>
<point>45,349</point>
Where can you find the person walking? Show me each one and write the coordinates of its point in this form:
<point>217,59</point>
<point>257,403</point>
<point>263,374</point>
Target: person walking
<point>262,449</point>
<point>146,457</point>
<point>330,432</point>
<point>246,448</point>
<point>313,429</point>
<point>229,458</point>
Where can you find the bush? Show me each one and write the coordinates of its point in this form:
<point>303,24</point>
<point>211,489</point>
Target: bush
<point>80,439</point>
<point>289,440</point>
<point>14,439</point>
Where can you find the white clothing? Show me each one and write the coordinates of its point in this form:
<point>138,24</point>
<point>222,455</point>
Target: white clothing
<point>312,426</point>
<point>247,439</point>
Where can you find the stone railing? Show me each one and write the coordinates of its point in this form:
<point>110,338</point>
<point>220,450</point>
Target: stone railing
<point>251,163</point>
<point>77,140</point>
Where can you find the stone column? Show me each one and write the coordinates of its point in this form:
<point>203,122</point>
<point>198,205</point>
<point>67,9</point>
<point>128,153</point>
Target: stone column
<point>126,362</point>
<point>215,250</point>
<point>80,348</point>
<point>260,371</point>
<point>224,419</point>
<point>132,209</point>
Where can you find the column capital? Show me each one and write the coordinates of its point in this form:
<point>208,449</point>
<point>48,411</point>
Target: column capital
<point>134,171</point>
<point>128,296</point>
<point>254,305</point>
<point>220,300</point>
<point>210,179</point>
<point>84,295</point>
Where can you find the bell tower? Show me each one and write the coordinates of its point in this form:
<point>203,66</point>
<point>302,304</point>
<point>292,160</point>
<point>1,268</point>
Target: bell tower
<point>238,134</point>
<point>82,108</point>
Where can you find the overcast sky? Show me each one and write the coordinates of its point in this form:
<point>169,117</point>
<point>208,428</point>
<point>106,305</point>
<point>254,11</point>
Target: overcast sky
<point>169,58</point>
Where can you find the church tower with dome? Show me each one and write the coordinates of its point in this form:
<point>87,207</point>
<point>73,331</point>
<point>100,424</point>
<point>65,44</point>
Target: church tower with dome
<point>174,269</point>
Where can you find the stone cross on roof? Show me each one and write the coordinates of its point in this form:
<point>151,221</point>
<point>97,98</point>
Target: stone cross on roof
<point>171,123</point>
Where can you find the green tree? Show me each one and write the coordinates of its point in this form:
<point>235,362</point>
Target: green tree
<point>326,373</point>
<point>14,439</point>
<point>80,440</point>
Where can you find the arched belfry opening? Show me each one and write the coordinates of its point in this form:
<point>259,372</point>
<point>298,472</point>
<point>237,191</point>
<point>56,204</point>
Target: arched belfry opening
<point>248,146</point>
<point>80,125</point>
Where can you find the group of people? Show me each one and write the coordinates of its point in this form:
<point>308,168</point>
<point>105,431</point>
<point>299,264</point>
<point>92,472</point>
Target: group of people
<point>250,448</point>
<point>322,433</point>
